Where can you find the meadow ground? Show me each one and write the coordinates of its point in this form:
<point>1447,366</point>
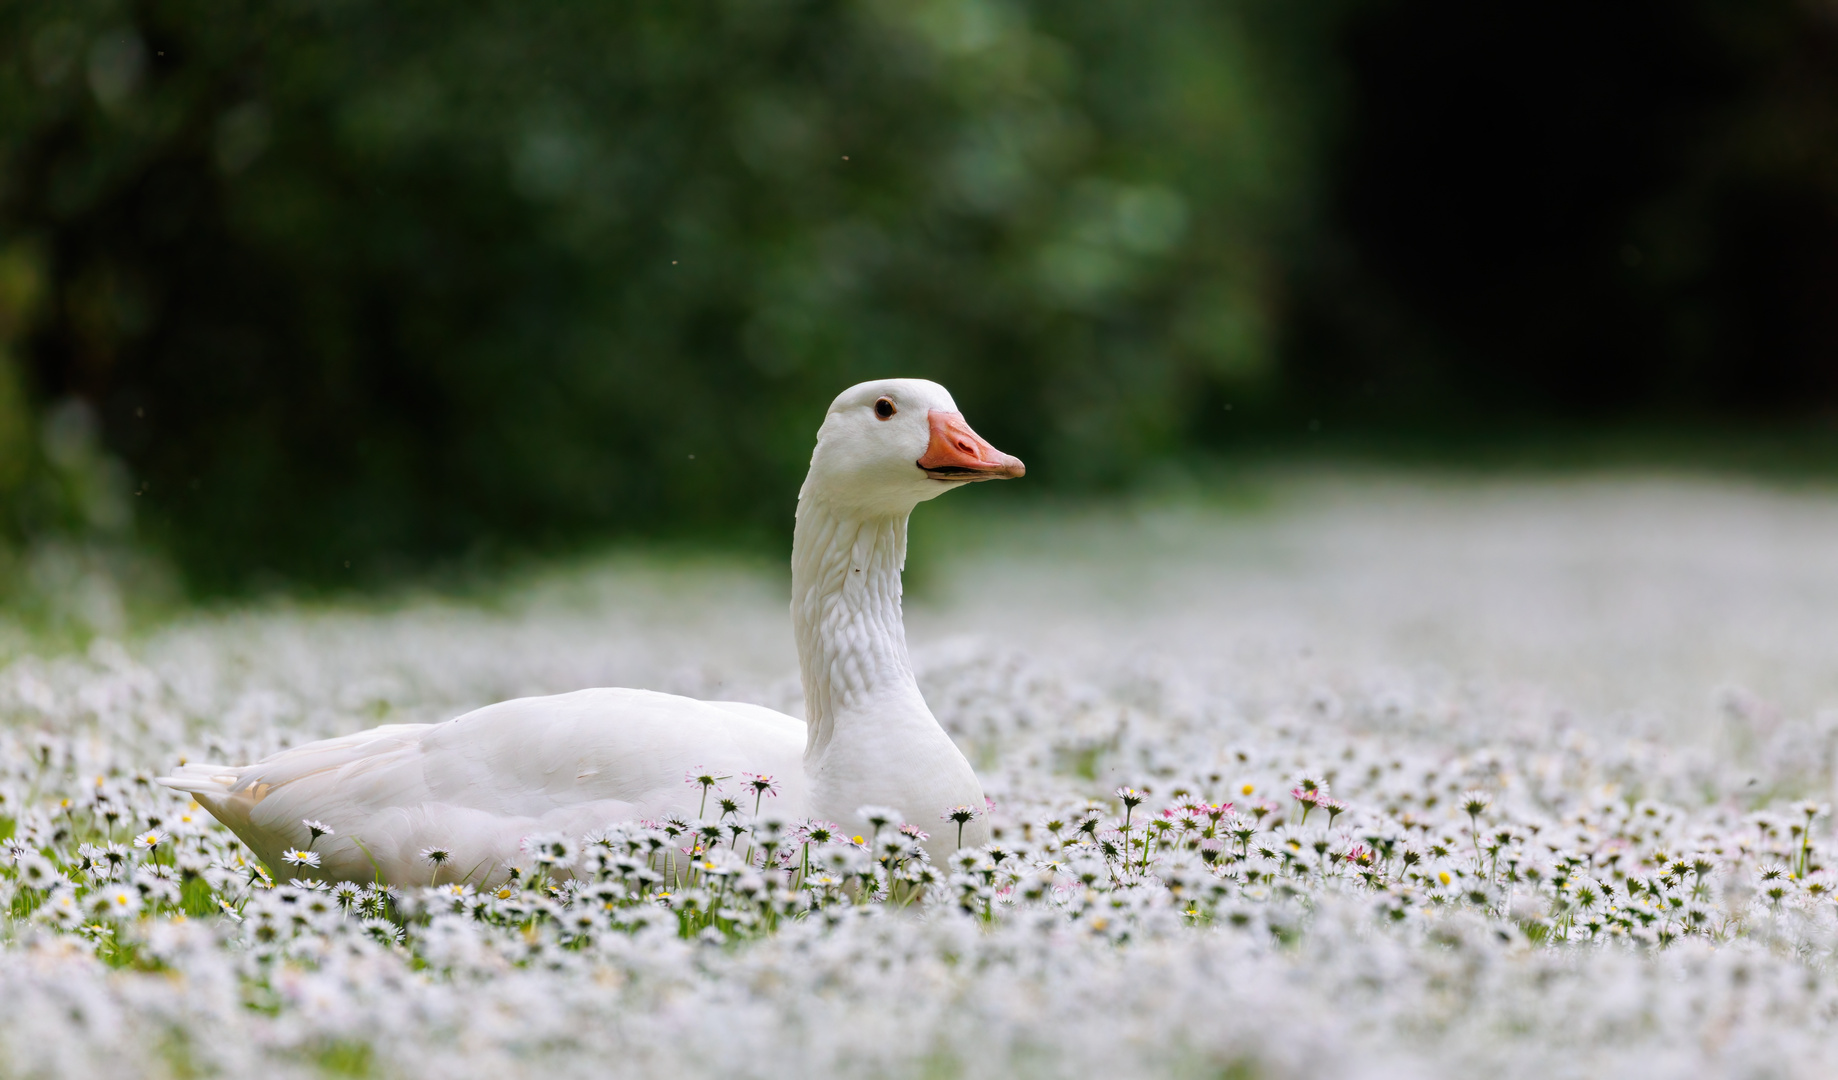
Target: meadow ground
<point>1355,775</point>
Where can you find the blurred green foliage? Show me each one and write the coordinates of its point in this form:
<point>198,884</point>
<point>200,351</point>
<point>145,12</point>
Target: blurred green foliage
<point>315,291</point>
<point>353,284</point>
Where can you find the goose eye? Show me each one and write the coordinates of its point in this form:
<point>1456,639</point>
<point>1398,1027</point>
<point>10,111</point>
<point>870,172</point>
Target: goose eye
<point>884,408</point>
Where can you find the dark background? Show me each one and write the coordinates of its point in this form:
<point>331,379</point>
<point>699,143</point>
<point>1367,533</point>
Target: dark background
<point>320,292</point>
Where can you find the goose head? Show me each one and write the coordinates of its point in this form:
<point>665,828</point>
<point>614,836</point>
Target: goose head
<point>888,445</point>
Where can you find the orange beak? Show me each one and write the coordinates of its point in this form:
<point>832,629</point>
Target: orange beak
<point>957,453</point>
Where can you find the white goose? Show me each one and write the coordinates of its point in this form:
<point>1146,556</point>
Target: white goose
<point>477,785</point>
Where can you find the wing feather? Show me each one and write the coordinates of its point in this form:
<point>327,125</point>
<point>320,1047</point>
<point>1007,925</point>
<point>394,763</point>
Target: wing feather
<point>478,784</point>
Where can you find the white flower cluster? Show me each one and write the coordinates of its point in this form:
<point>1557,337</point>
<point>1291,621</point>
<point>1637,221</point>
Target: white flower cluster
<point>1178,885</point>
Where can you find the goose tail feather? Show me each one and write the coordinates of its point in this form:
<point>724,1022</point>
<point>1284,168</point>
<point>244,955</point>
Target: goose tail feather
<point>202,779</point>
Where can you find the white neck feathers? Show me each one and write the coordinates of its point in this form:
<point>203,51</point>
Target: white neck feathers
<point>845,609</point>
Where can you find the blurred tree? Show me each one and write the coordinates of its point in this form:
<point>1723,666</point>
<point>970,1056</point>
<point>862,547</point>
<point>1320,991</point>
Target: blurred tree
<point>332,282</point>
<point>355,284</point>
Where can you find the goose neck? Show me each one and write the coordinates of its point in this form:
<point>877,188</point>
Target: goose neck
<point>847,616</point>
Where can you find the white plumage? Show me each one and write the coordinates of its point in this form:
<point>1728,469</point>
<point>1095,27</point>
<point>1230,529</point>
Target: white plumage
<point>476,786</point>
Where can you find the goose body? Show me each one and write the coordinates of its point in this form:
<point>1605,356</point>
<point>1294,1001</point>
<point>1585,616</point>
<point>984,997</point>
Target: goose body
<point>478,785</point>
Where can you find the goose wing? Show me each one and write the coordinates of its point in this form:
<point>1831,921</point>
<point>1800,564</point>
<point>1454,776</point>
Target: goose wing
<point>477,785</point>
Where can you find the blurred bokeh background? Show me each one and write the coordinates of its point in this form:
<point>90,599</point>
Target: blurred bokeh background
<point>322,292</point>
